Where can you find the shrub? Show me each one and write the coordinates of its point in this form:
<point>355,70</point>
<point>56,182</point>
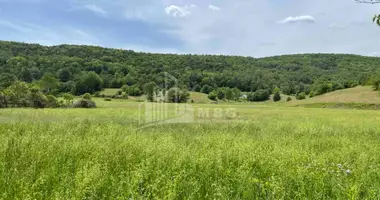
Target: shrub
<point>97,94</point>
<point>120,92</point>
<point>289,99</point>
<point>84,103</point>
<point>124,88</point>
<point>125,96</point>
<point>212,96</point>
<point>52,102</point>
<point>206,89</point>
<point>107,99</point>
<point>175,95</point>
<point>87,96</point>
<point>301,96</point>
<point>259,95</point>
<point>277,95</point>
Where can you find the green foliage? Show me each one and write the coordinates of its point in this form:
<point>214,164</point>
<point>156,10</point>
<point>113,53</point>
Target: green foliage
<point>206,89</point>
<point>87,96</point>
<point>68,98</point>
<point>213,95</point>
<point>150,90</point>
<point>221,93</point>
<point>87,69</point>
<point>64,75</point>
<point>84,103</point>
<point>176,95</point>
<point>52,102</point>
<point>289,99</point>
<point>276,94</point>
<point>21,94</point>
<point>230,94</point>
<point>48,83</point>
<point>89,83</point>
<point>259,95</point>
<point>301,96</point>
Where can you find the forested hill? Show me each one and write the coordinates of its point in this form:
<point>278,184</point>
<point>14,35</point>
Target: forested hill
<point>291,73</point>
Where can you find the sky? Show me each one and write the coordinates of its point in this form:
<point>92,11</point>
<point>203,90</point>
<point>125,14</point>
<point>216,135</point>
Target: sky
<point>256,28</point>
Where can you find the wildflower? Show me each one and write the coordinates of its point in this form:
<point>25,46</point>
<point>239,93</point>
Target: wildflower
<point>348,171</point>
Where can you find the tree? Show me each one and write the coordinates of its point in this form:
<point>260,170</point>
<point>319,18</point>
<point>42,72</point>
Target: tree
<point>259,95</point>
<point>176,95</point>
<point>206,89</point>
<point>48,83</point>
<point>276,94</point>
<point>26,75</point>
<point>6,79</point>
<point>197,88</point>
<point>229,94</point>
<point>301,96</point>
<point>149,90</point>
<point>212,95</point>
<point>236,93</point>
<point>89,83</point>
<point>38,100</point>
<point>68,98</point>
<point>220,94</point>
<point>64,75</point>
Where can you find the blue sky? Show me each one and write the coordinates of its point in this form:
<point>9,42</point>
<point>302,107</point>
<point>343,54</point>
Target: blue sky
<point>236,27</point>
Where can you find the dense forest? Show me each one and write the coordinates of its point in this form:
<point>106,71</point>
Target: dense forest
<point>87,69</point>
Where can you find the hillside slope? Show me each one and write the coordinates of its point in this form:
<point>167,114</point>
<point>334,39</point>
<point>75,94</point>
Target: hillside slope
<point>116,67</point>
<point>354,96</point>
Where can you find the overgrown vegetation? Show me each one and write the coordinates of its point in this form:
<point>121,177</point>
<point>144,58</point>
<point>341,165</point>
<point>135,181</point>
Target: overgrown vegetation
<point>266,153</point>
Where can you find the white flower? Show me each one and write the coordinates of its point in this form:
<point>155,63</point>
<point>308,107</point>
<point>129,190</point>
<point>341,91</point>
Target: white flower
<point>348,171</point>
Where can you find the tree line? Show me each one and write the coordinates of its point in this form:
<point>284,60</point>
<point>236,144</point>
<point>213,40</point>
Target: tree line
<point>88,69</point>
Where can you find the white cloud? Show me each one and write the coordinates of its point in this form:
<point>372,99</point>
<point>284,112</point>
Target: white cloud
<point>302,18</point>
<point>178,11</point>
<point>212,7</point>
<point>96,9</point>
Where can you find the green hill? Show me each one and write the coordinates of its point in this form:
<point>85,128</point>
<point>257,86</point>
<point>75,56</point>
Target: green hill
<point>116,67</point>
<point>358,97</point>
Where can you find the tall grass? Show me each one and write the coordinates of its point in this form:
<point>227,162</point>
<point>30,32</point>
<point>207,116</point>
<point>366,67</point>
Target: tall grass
<point>267,153</point>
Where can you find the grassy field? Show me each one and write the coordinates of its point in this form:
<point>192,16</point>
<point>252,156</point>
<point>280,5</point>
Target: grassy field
<point>262,152</point>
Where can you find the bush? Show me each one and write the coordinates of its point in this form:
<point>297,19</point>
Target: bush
<point>52,102</point>
<point>289,99</point>
<point>206,89</point>
<point>124,88</point>
<point>175,95</point>
<point>259,95</point>
<point>107,99</point>
<point>301,96</point>
<point>212,96</point>
<point>97,94</point>
<point>277,95</point>
<point>120,92</point>
<point>87,96</point>
<point>84,103</point>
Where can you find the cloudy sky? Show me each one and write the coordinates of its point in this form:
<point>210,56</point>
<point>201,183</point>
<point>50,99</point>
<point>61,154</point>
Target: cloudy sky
<point>236,27</point>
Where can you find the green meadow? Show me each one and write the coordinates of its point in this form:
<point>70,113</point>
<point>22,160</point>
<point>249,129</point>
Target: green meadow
<point>263,151</point>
